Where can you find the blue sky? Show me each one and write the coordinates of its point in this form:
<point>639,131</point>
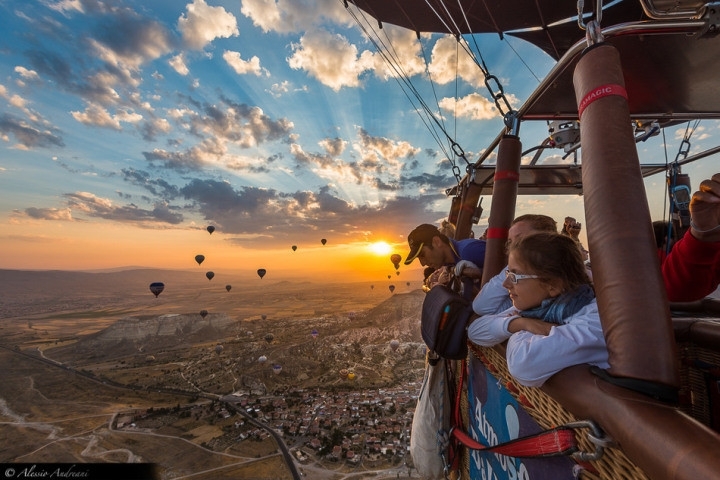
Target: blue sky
<point>132,122</point>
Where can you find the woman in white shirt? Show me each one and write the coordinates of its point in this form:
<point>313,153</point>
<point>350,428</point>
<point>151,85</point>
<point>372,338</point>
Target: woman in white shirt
<point>554,321</point>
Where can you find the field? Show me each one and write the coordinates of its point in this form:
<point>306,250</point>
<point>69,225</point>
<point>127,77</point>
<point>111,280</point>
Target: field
<point>108,331</point>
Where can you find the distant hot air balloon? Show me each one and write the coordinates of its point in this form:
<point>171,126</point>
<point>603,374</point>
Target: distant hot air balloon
<point>218,349</point>
<point>157,288</point>
<point>323,241</point>
<point>210,229</point>
<point>343,371</point>
<point>394,344</point>
<point>210,275</point>
<point>389,277</point>
<point>263,316</point>
<point>294,247</point>
<point>199,259</point>
<point>372,287</point>
<point>395,259</point>
<point>269,337</point>
<point>407,283</point>
<point>314,333</point>
<point>261,272</point>
<point>228,287</point>
<point>397,273</point>
<point>203,313</point>
<point>391,288</point>
<point>351,376</point>
<point>262,359</point>
<point>277,369</point>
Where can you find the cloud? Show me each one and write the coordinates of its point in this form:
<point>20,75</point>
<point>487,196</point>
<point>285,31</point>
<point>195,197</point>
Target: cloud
<point>27,135</point>
<point>473,106</point>
<point>287,16</point>
<point>447,62</point>
<point>263,217</point>
<point>29,75</point>
<point>97,116</point>
<point>220,128</point>
<point>243,67</point>
<point>93,206</point>
<point>178,64</point>
<point>330,58</point>
<point>333,146</point>
<point>158,187</point>
<point>49,213</point>
<point>202,24</point>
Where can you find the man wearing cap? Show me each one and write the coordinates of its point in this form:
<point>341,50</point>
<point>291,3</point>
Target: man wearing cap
<point>436,250</point>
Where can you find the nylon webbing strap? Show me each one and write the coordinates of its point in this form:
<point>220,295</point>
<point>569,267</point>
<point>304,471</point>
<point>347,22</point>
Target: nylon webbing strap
<point>549,443</point>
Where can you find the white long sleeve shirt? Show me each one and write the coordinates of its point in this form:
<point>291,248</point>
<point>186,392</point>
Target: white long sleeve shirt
<point>493,297</point>
<point>531,358</point>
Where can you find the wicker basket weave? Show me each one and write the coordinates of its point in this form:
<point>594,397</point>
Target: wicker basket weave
<point>548,413</point>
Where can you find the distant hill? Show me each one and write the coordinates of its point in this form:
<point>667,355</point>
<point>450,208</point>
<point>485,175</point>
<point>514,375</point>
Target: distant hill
<point>358,341</point>
<point>29,293</point>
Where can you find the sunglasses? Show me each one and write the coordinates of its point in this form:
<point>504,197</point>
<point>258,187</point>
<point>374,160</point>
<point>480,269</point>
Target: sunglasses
<point>516,277</point>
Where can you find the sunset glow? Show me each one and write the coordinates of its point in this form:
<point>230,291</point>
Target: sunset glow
<point>380,248</point>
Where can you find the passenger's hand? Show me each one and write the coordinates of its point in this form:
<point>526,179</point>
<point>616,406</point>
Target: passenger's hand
<point>463,265</point>
<point>705,210</point>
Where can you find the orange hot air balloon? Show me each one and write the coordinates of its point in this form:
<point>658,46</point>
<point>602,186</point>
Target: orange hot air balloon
<point>210,275</point>
<point>395,259</point>
<point>199,259</point>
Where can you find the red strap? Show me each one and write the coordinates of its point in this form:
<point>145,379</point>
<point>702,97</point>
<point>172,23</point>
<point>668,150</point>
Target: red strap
<point>495,232</point>
<point>600,92</point>
<point>507,175</point>
<point>548,443</point>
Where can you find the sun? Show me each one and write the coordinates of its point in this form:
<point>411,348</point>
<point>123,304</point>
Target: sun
<point>380,248</point>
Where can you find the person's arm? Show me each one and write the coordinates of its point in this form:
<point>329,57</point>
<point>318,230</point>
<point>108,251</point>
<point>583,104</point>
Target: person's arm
<point>490,330</point>
<point>691,270</point>
<point>493,297</point>
<point>532,358</point>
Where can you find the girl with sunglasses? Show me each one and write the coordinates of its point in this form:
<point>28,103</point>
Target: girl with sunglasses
<point>554,321</point>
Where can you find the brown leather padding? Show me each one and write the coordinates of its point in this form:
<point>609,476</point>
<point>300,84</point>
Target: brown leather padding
<point>470,198</point>
<point>630,291</point>
<point>664,442</point>
<point>703,333</point>
<point>502,211</point>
